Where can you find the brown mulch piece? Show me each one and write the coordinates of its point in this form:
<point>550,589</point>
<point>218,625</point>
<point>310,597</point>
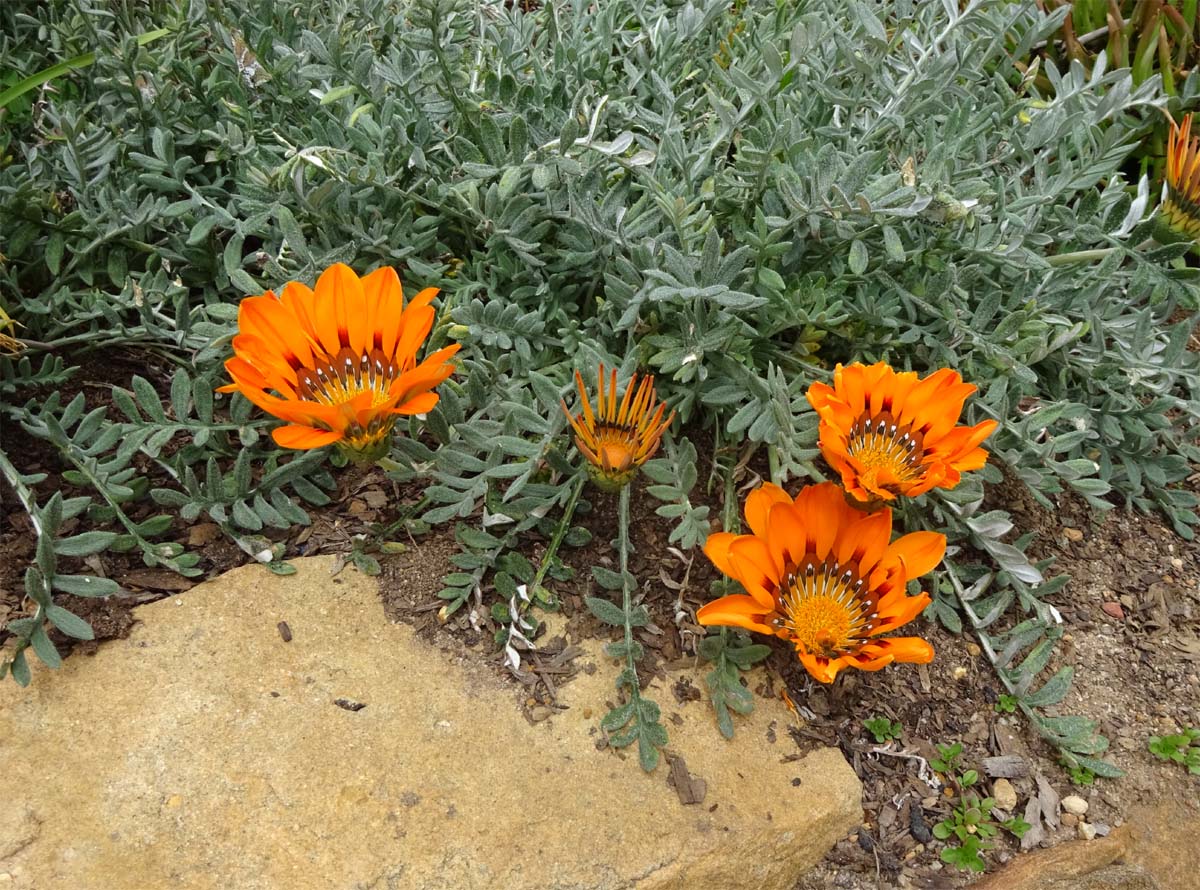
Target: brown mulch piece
<point>690,789</point>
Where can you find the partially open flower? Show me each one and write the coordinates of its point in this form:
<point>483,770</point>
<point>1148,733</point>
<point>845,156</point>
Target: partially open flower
<point>1181,208</point>
<point>338,362</point>
<point>616,440</point>
<point>825,577</point>
<point>890,434</point>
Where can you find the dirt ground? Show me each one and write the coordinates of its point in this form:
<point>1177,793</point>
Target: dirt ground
<point>1131,616</point>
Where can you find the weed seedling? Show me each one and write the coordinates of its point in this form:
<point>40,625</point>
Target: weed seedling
<point>883,729</point>
<point>1183,747</point>
<point>970,822</point>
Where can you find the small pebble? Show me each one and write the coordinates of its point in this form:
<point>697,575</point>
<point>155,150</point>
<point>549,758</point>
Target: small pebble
<point>973,650</point>
<point>1177,562</point>
<point>1005,794</point>
<point>1113,610</point>
<point>1073,534</point>
<point>960,673</point>
<point>1075,804</point>
<point>1070,820</point>
<point>1087,831</point>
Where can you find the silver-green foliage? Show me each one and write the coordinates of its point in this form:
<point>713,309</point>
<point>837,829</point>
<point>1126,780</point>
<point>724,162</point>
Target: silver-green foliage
<point>588,182</point>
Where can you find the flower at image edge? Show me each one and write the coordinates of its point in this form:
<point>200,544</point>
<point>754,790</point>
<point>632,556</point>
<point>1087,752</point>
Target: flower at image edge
<point>1181,209</point>
<point>889,434</point>
<point>338,362</point>
<point>617,439</point>
<point>826,577</point>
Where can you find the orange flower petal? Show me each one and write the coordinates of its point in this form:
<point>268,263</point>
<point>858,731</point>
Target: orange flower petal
<point>759,503</point>
<point>850,382</point>
<point>917,552</point>
<point>787,537</point>
<point>716,548</point>
<point>736,610</point>
<point>269,320</point>
<point>822,509</point>
<point>416,323</point>
<point>303,437</point>
<point>864,540</point>
<point>899,612</point>
<point>911,650</point>
<point>337,285</point>
<point>823,670</point>
<point>422,404</point>
<point>380,288</point>
<point>755,568</point>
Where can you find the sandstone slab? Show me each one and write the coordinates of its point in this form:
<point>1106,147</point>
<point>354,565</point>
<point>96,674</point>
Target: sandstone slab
<point>205,752</point>
<point>1157,849</point>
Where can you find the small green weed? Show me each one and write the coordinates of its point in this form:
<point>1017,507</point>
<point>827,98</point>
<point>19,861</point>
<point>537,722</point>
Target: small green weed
<point>883,729</point>
<point>970,822</point>
<point>1183,747</point>
<point>1007,704</point>
<point>1081,775</point>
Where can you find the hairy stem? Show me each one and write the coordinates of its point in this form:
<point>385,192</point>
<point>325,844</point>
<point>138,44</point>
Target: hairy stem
<point>626,587</point>
<point>564,526</point>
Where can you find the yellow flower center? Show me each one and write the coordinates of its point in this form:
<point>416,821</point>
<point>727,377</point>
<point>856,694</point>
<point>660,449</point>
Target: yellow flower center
<point>878,444</point>
<point>826,608</point>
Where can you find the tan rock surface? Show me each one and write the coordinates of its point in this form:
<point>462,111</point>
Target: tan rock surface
<point>205,752</point>
<point>1157,849</point>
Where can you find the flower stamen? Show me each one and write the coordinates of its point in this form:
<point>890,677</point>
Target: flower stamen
<point>879,444</point>
<point>824,609</point>
<point>346,377</point>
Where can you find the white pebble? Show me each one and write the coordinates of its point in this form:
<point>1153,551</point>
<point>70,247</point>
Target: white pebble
<point>1075,804</point>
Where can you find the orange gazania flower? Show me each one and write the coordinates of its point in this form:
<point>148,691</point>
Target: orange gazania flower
<point>889,433</point>
<point>1181,208</point>
<point>617,440</point>
<point>825,577</point>
<point>338,363</point>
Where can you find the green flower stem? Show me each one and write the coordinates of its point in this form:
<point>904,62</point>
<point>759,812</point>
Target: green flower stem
<point>730,521</point>
<point>564,526</point>
<point>773,464</point>
<point>627,591</point>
